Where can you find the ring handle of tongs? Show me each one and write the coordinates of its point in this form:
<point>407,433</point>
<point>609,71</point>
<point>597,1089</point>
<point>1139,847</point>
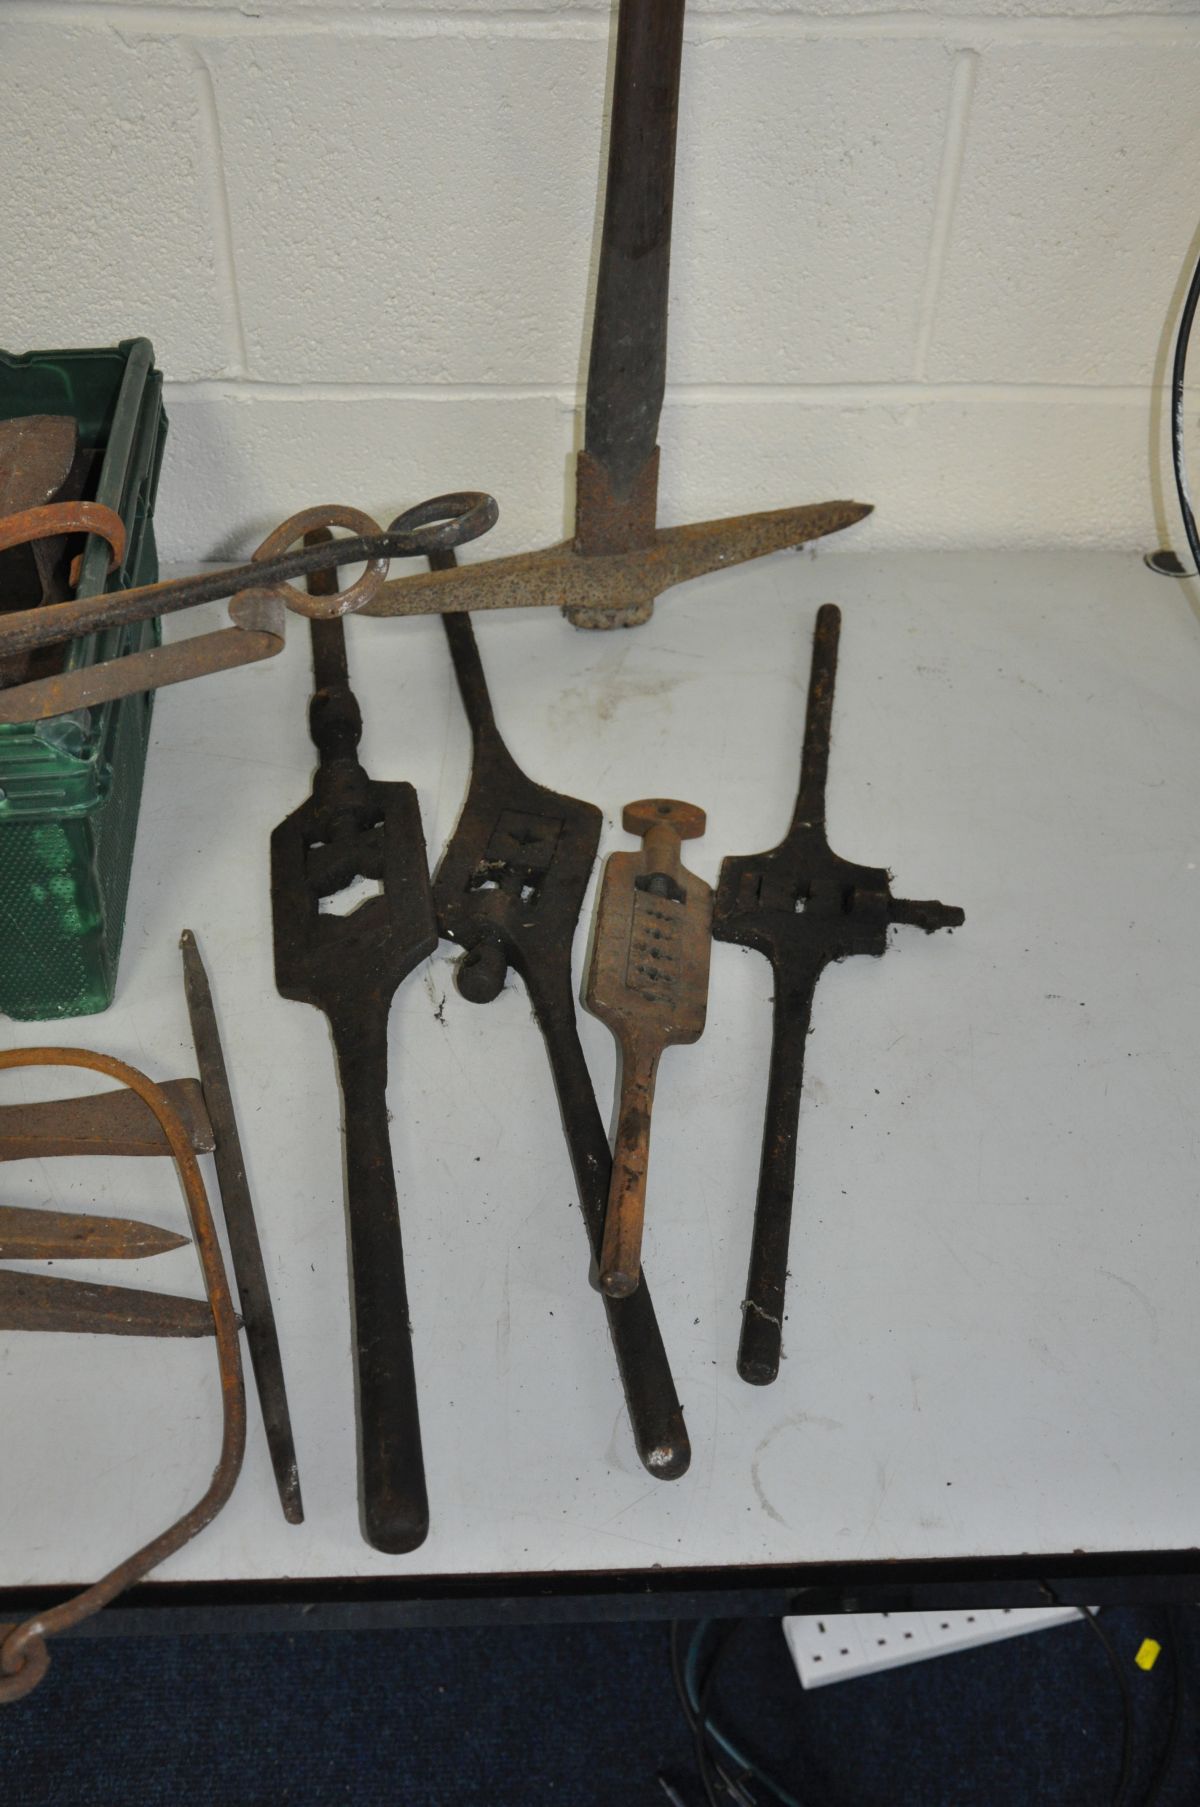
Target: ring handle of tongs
<point>261,598</point>
<point>53,520</point>
<point>24,1658</point>
<point>301,602</point>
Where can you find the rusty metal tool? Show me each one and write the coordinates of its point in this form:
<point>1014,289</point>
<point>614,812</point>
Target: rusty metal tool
<point>117,1123</point>
<point>802,906</point>
<point>37,452</point>
<point>249,1270</point>
<point>44,472</point>
<point>56,521</point>
<point>261,597</point>
<point>509,890</point>
<point>350,965</point>
<point>37,1235</point>
<point>36,455</point>
<point>648,980</point>
<point>46,1302</point>
<point>620,559</point>
<point>24,1658</point>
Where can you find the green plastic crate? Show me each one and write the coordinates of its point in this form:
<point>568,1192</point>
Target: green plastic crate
<point>70,788</point>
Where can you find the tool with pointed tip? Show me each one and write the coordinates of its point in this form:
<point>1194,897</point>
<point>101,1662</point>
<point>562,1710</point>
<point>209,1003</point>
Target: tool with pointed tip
<point>46,1302</point>
<point>350,965</point>
<point>101,1123</point>
<point>33,1235</point>
<point>620,559</point>
<point>802,906</point>
<point>509,890</point>
<point>65,1305</point>
<point>648,980</point>
<point>249,1271</point>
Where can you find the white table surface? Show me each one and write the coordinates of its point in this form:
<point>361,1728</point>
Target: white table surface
<point>991,1339</point>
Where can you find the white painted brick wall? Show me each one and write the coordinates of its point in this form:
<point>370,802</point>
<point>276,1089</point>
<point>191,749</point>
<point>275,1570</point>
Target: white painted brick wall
<point>923,256</point>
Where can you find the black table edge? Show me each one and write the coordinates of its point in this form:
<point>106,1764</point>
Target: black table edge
<point>751,1591</point>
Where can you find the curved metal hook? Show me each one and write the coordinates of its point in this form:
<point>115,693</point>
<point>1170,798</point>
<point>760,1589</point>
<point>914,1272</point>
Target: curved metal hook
<point>52,519</point>
<point>24,1658</point>
<point>303,602</point>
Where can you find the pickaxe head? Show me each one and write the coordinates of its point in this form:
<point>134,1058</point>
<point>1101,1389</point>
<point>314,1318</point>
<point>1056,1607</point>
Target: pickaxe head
<point>619,560</point>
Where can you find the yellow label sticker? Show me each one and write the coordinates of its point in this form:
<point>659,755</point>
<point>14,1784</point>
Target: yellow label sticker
<point>1148,1653</point>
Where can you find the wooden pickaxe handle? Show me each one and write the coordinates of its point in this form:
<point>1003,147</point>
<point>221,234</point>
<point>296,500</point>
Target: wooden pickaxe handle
<point>627,365</point>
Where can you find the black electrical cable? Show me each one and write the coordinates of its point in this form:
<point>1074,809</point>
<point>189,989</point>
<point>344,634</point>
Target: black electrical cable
<point>704,1762</point>
<point>1120,1793</point>
<point>700,1719</point>
<point>1162,1770</point>
<point>1178,373</point>
<point>727,1780</point>
<point>732,1788</point>
<point>689,1684</point>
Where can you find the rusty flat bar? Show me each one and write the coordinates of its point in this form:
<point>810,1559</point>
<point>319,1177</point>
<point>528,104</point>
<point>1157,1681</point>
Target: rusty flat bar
<point>46,1302</point>
<point>35,1235</point>
<point>102,1123</point>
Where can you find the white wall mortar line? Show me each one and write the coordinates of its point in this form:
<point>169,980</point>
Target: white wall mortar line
<point>222,218</point>
<point>814,395</point>
<point>958,118</point>
<point>967,31</point>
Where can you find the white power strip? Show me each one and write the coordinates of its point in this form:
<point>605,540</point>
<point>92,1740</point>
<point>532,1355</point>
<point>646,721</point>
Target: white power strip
<point>843,1645</point>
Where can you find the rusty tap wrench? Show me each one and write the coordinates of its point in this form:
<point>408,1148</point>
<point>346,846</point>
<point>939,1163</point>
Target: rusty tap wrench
<point>648,981</point>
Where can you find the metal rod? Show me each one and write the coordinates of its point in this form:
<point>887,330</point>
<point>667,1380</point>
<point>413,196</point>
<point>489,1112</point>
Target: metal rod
<point>655,1413</point>
<point>760,1343</point>
<point>627,367</point>
<point>249,1269</point>
<point>818,720</point>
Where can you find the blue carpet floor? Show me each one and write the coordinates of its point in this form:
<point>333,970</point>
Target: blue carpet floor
<point>584,1716</point>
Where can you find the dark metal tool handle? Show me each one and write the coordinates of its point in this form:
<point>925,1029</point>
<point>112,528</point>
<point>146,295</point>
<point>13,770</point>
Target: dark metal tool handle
<point>818,721</point>
<point>628,363</point>
<point>469,675</point>
<point>468,671</point>
<point>395,1507</point>
<point>655,1414</point>
<point>761,1342</point>
<point>241,1227</point>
